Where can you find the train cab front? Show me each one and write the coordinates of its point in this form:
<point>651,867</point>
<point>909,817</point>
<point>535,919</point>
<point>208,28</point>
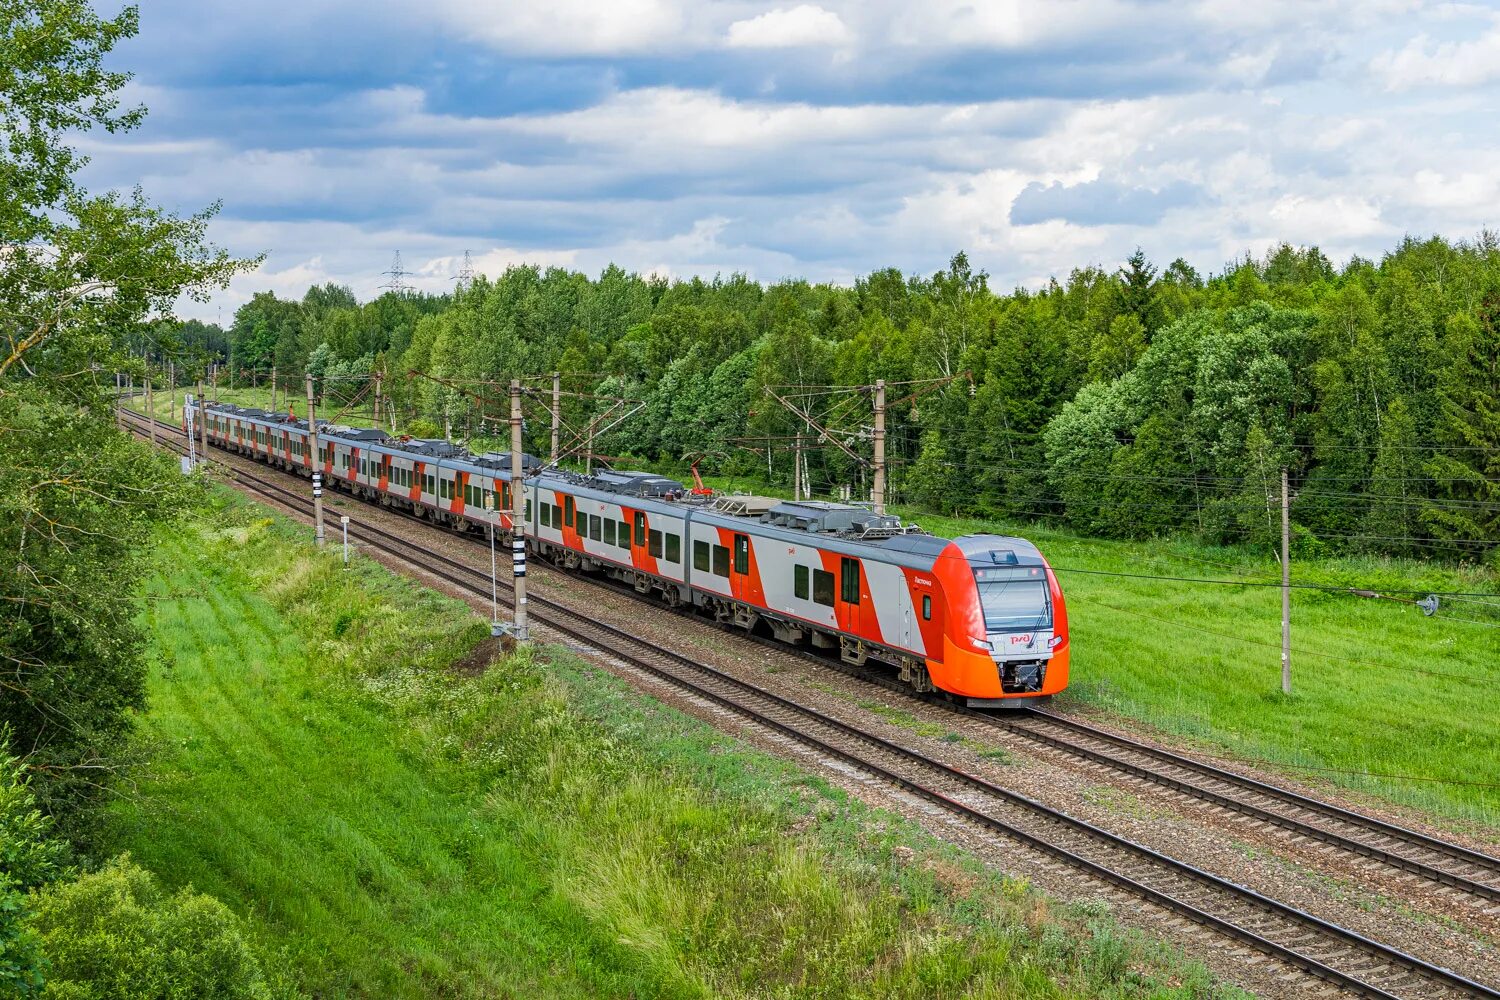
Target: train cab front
<point>1008,635</point>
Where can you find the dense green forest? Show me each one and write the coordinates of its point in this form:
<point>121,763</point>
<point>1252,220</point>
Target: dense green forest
<point>1125,403</point>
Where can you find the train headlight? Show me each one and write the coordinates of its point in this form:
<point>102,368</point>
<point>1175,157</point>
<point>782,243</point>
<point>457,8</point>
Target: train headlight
<point>1054,642</point>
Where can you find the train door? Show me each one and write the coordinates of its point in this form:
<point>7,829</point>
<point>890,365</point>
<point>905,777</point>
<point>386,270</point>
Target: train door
<point>739,567</point>
<point>851,607</point>
<point>908,627</point>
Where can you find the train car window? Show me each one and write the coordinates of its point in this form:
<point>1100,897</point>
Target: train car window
<point>546,515</point>
<point>800,582</point>
<point>823,587</point>
<point>594,526</point>
<point>640,529</point>
<point>624,534</point>
<point>721,561</point>
<point>849,572</point>
<point>528,510</point>
<point>741,553</point>
<point>568,512</point>
<point>700,556</point>
<point>609,531</point>
<point>556,516</point>
<point>654,544</point>
<point>927,607</point>
<point>674,548</point>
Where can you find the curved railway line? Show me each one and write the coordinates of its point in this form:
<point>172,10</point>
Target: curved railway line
<point>1340,957</point>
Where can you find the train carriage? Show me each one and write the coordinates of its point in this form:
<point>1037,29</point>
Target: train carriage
<point>626,525</point>
<point>980,616</point>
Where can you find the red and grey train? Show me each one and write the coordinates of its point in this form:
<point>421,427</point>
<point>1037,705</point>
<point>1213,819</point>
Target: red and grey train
<point>980,617</point>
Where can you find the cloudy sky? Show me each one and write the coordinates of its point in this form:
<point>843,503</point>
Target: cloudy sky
<point>817,139</point>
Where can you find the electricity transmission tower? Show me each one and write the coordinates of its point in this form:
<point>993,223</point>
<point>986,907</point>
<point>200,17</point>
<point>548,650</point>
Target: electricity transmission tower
<point>466,273</point>
<point>397,274</point>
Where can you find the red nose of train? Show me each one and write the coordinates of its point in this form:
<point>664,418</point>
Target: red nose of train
<point>1006,635</point>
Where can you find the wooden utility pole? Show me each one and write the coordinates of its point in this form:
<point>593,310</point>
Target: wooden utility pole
<point>797,469</point>
<point>1286,585</point>
<point>273,388</point>
<point>877,492</point>
<point>150,410</point>
<point>317,476</point>
<point>556,413</point>
<point>517,513</point>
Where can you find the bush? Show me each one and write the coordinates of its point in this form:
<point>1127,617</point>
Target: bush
<point>116,935</point>
<point>27,860</point>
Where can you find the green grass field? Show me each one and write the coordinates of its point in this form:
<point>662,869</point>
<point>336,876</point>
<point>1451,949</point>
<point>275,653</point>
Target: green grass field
<point>395,826</point>
<point>1384,699</point>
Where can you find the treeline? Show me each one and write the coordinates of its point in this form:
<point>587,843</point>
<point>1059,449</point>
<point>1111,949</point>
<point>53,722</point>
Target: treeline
<point>1128,403</point>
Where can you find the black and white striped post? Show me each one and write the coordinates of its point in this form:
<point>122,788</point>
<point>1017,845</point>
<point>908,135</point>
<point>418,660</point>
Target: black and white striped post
<point>518,513</point>
<point>317,476</point>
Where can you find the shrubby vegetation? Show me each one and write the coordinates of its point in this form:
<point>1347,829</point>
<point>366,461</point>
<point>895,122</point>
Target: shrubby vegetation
<point>115,934</point>
<point>1130,403</point>
<point>29,859</point>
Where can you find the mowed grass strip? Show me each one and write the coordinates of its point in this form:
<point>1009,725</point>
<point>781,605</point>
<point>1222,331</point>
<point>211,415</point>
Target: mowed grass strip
<point>395,828</point>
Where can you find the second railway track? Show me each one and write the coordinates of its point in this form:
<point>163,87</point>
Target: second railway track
<point>1338,956</point>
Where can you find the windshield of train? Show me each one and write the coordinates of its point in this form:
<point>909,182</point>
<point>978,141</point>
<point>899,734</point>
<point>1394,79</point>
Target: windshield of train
<point>1014,599</point>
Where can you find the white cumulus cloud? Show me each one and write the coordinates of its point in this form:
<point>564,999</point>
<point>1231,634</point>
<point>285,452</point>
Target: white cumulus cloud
<point>1421,62</point>
<point>803,24</point>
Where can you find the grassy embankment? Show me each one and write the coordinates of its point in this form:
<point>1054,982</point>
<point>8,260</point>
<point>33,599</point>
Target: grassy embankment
<point>1408,702</point>
<point>400,827</point>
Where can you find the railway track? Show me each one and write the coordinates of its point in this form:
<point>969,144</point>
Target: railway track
<point>1338,956</point>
